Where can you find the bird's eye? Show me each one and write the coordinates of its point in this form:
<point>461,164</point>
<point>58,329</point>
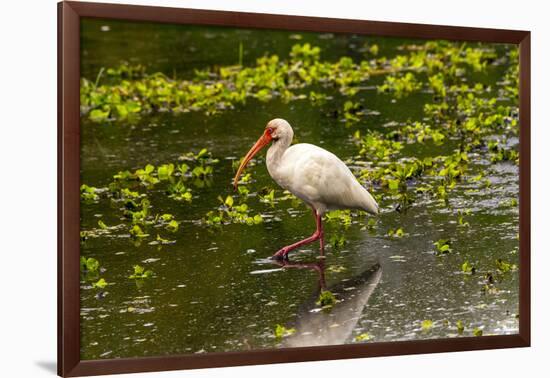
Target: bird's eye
<point>270,130</point>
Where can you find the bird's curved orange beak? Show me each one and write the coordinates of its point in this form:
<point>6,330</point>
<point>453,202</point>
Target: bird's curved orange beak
<point>260,143</point>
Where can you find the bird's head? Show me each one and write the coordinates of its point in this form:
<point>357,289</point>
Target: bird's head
<point>277,131</point>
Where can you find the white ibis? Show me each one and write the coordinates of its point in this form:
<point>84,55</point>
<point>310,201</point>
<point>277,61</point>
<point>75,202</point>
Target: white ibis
<point>316,176</point>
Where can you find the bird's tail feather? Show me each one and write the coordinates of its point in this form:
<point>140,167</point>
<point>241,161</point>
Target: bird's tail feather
<point>369,204</point>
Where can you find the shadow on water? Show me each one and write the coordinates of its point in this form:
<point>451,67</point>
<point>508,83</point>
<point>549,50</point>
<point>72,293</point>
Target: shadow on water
<point>329,326</point>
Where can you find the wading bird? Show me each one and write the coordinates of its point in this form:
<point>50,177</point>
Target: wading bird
<point>316,176</point>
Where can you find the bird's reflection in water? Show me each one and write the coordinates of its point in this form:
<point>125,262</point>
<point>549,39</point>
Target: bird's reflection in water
<point>316,326</point>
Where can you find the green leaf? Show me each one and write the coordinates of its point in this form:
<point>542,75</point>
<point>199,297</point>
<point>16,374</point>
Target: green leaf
<point>173,225</point>
<point>427,325</point>
<point>97,115</point>
<point>443,246</point>
<point>229,201</point>
<point>137,232</point>
<point>393,184</point>
<point>122,111</point>
<point>282,331</point>
<point>92,264</point>
<point>362,337</point>
<point>101,284</point>
<point>460,327</point>
<point>167,217</point>
<point>326,298</point>
<point>165,171</point>
<point>468,268</point>
<point>141,273</point>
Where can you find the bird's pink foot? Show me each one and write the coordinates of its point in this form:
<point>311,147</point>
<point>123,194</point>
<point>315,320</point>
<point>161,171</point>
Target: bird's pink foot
<point>281,254</point>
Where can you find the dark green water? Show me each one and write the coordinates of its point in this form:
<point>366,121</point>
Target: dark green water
<point>214,290</point>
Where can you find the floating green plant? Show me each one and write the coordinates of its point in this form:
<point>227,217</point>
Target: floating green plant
<point>281,332</point>
<point>267,196</point>
<point>443,246</point>
<point>362,337</point>
<point>326,299</point>
<point>468,268</point>
<point>504,266</point>
<point>228,212</point>
<point>342,217</point>
<point>173,225</point>
<point>88,264</point>
<point>134,91</point>
<point>427,325</point>
<point>89,193</point>
<point>100,284</point>
<point>137,232</point>
<point>460,327</point>
<point>337,241</point>
<point>397,233</point>
<point>141,273</point>
<point>461,221</point>
<point>165,171</point>
<point>400,85</point>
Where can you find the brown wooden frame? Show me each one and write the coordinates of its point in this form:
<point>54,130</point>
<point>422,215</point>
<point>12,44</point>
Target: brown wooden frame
<point>69,14</point>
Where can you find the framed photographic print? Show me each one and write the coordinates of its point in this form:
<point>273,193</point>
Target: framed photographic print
<point>239,188</point>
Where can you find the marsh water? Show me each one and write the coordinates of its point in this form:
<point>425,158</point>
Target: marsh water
<point>214,289</point>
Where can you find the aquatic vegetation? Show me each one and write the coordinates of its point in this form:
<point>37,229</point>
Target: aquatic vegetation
<point>397,233</point>
<point>281,331</point>
<point>137,232</point>
<point>468,268</point>
<point>352,111</point>
<point>375,145</point>
<point>179,191</point>
<point>427,325</point>
<point>141,273</point>
<point>89,193</point>
<point>136,207</point>
<point>134,91</point>
<point>443,246</point>
<point>419,132</point>
<point>336,269</point>
<point>326,299</point>
<point>461,221</point>
<point>267,196</point>
<point>460,327</point>
<point>161,241</point>
<point>478,332</point>
<point>138,217</point>
<point>88,264</point>
<point>362,337</point>
<point>228,212</point>
<point>145,175</point>
<point>504,266</point>
<point>100,284</point>
<point>341,217</point>
<point>337,241</point>
<point>165,171</point>
<point>400,85</point>
<point>173,225</point>
<point>371,223</point>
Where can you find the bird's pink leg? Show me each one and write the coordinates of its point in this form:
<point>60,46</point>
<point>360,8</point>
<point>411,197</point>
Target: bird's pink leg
<point>317,235</point>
